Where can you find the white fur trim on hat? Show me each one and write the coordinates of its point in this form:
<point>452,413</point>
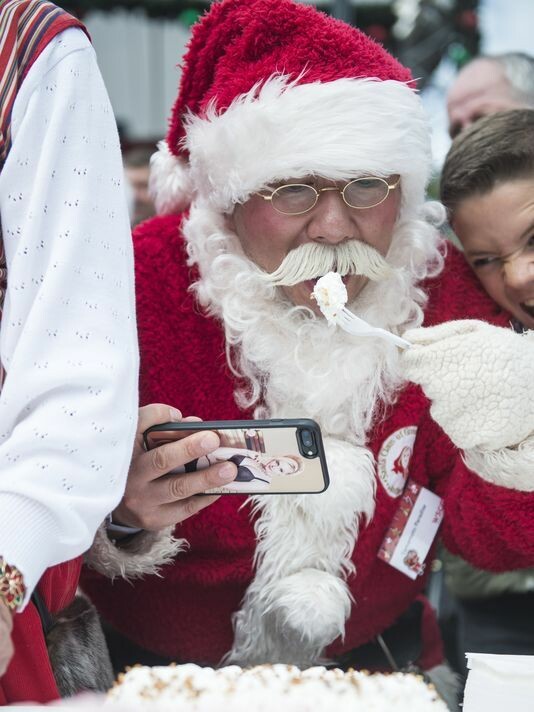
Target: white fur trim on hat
<point>339,129</point>
<point>169,183</point>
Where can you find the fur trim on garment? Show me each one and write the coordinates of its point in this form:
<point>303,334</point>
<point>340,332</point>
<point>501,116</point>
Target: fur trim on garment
<point>339,130</point>
<point>506,467</point>
<point>170,182</point>
<point>77,650</point>
<point>299,601</point>
<point>142,555</point>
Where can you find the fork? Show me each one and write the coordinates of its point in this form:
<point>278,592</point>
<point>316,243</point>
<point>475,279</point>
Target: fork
<point>353,324</point>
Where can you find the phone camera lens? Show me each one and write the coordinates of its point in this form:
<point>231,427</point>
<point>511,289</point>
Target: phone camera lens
<point>307,444</point>
<point>307,439</point>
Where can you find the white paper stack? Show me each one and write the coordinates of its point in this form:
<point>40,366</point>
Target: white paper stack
<point>499,682</point>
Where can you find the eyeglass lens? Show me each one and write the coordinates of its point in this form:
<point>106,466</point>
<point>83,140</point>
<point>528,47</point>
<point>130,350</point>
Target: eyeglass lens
<point>360,193</point>
<point>365,192</point>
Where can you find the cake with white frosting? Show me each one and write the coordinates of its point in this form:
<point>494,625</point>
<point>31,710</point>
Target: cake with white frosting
<point>265,688</point>
<point>330,294</point>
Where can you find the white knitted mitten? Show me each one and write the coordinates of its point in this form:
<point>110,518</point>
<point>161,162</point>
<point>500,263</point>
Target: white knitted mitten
<point>480,379</point>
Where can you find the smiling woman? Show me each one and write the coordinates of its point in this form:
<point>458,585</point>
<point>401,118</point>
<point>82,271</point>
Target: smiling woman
<point>488,187</point>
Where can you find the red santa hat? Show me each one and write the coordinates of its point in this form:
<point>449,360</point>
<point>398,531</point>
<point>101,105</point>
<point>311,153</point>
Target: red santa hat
<point>272,89</point>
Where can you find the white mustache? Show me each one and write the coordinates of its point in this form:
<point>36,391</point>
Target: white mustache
<point>315,259</point>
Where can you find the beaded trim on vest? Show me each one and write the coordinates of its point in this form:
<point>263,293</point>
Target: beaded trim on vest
<point>26,27</point>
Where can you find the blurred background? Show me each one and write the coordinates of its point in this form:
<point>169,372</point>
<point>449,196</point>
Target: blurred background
<point>139,44</point>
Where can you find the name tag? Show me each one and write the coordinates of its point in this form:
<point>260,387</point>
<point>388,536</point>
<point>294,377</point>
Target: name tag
<point>413,529</point>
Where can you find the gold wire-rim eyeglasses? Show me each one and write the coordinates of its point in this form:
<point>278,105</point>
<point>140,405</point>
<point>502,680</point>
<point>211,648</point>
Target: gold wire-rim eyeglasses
<point>317,191</point>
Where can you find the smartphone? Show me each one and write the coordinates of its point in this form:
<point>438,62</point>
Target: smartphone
<point>272,456</point>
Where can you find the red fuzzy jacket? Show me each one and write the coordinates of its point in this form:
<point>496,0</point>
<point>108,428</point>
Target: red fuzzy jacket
<point>186,614</point>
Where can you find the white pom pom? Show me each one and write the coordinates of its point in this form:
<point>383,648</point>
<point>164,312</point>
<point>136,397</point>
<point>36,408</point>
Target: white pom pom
<point>170,182</point>
<point>313,604</point>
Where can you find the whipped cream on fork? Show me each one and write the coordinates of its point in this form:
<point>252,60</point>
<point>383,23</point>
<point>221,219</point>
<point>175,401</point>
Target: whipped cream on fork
<point>331,296</point>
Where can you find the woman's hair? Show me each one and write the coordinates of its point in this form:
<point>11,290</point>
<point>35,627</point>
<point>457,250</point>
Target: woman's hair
<point>496,148</point>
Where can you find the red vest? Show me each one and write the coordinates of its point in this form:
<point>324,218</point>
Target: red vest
<point>26,28</point>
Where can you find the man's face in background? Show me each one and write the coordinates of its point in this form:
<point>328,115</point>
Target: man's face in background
<point>481,88</point>
<point>143,207</point>
<point>137,171</point>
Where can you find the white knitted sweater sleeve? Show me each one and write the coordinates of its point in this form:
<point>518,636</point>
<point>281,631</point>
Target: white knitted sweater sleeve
<point>68,407</point>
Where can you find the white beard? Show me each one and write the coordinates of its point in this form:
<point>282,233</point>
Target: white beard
<point>296,365</point>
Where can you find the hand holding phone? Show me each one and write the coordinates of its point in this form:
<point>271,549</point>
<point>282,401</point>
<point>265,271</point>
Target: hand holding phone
<point>153,498</point>
<point>271,456</point>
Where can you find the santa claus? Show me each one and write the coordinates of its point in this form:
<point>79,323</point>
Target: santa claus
<point>298,146</point>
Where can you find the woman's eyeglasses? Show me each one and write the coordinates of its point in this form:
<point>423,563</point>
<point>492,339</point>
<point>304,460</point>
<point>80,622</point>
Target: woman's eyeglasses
<point>361,193</point>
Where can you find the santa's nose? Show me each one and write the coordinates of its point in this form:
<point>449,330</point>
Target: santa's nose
<point>331,220</point>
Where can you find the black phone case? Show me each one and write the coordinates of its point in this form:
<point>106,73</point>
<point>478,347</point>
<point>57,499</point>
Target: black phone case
<point>256,446</point>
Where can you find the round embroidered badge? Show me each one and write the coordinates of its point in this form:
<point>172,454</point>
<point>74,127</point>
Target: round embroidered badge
<point>394,459</point>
